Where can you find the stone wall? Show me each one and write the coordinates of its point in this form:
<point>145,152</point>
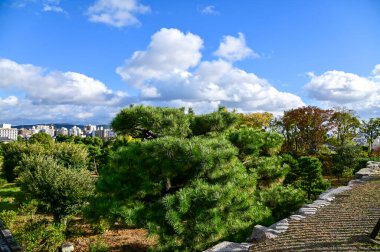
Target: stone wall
<point>7,243</point>
<point>261,233</point>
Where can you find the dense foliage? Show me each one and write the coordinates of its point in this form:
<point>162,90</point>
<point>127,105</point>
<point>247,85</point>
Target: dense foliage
<point>61,191</point>
<point>151,122</point>
<point>67,154</point>
<point>193,180</point>
<point>191,188</point>
<point>305,129</point>
<point>217,121</point>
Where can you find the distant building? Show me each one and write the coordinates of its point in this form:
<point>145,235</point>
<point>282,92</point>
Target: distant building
<point>104,133</point>
<point>25,133</point>
<point>62,131</point>
<point>89,130</point>
<point>5,126</point>
<point>48,129</point>
<point>75,131</point>
<point>7,133</point>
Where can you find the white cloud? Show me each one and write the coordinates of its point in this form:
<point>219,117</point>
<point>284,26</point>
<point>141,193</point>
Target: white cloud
<point>52,8</point>
<point>56,87</point>
<point>209,9</point>
<point>234,49</point>
<point>10,100</point>
<point>376,71</point>
<point>338,88</point>
<point>39,95</point>
<point>170,71</point>
<point>170,52</point>
<point>118,13</point>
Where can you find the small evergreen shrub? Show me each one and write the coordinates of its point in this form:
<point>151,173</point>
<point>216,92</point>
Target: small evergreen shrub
<point>282,200</point>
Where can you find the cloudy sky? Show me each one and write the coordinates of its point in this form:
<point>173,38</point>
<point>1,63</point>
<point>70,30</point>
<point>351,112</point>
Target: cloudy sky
<point>82,61</point>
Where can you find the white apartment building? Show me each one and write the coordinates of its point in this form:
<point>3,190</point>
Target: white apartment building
<point>6,132</point>
<point>75,131</point>
<point>63,131</point>
<point>48,129</point>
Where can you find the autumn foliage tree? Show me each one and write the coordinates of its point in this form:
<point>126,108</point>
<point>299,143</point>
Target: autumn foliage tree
<point>256,120</point>
<point>305,129</point>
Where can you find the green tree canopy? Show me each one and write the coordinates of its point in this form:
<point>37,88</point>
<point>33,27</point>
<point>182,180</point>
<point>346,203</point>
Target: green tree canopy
<point>217,121</point>
<point>345,126</point>
<point>42,138</point>
<point>371,130</point>
<point>148,122</point>
<point>192,192</point>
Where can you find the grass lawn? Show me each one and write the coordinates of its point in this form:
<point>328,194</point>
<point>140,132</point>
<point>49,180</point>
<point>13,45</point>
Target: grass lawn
<point>10,195</point>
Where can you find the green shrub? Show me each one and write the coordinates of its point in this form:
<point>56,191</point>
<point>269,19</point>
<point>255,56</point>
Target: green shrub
<point>282,200</point>
<point>310,177</point>
<point>362,162</point>
<point>8,217</point>
<point>60,190</point>
<point>40,235</point>
<point>101,226</point>
<point>29,208</point>
<point>12,154</point>
<point>344,160</point>
<point>99,246</point>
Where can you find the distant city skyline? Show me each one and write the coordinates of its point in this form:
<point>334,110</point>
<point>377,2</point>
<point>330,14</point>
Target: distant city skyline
<point>82,61</point>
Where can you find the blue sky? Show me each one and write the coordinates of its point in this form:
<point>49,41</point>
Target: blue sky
<point>82,61</point>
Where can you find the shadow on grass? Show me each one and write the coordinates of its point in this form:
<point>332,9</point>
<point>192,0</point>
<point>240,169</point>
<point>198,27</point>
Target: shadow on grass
<point>10,196</point>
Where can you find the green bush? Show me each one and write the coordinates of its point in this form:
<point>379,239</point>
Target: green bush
<point>344,160</point>
<point>40,235</point>
<point>67,154</point>
<point>310,177</point>
<point>61,191</point>
<point>99,246</point>
<point>282,200</point>
<point>362,162</point>
<point>12,154</point>
<point>8,217</point>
